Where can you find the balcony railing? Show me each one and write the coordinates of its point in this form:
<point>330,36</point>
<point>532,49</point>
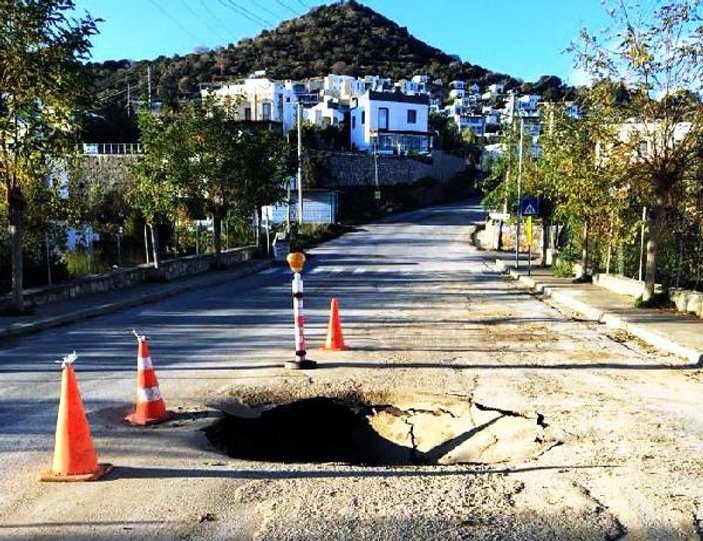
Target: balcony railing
<point>111,149</point>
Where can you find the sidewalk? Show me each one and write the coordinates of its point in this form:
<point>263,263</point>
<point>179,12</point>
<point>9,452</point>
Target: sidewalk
<point>64,312</point>
<point>666,330</point>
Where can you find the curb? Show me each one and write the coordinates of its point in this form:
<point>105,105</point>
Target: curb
<point>611,320</point>
<point>56,321</point>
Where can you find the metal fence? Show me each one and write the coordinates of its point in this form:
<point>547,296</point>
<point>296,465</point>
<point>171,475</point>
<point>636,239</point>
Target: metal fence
<point>111,149</point>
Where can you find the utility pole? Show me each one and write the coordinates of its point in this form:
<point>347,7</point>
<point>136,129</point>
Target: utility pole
<point>377,193</point>
<point>300,162</point>
<point>519,194</point>
<point>129,100</point>
<point>148,83</point>
<point>643,227</point>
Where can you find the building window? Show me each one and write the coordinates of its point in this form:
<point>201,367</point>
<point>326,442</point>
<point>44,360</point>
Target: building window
<point>412,116</point>
<point>353,123</point>
<point>383,118</point>
<point>266,111</point>
<point>247,113</point>
<point>363,117</point>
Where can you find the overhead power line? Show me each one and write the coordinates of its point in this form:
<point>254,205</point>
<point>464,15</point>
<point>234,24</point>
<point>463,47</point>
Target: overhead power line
<point>199,16</point>
<point>267,10</point>
<point>244,12</point>
<point>283,4</point>
<point>204,4</point>
<point>175,21</point>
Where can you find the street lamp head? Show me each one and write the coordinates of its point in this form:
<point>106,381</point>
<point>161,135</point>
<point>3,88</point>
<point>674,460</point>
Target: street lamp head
<point>296,261</point>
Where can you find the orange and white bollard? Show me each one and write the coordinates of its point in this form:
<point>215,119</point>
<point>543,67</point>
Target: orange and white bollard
<point>296,261</point>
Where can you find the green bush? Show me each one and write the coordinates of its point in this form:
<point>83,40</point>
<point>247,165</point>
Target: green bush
<point>658,300</point>
<point>563,268</point>
<point>81,263</point>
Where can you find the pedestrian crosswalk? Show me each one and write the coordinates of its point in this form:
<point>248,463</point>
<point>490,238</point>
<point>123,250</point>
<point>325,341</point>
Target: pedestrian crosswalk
<point>359,271</point>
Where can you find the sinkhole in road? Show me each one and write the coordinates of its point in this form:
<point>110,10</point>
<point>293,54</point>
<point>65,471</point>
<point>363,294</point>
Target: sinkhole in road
<point>323,429</point>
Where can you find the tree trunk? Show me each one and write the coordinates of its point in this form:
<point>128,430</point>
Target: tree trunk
<point>257,227</point>
<point>217,238</point>
<point>16,230</point>
<point>217,234</point>
<point>655,219</point>
<point>545,241</point>
<point>585,250</point>
<point>146,243</point>
<point>155,244</point>
<point>16,234</point>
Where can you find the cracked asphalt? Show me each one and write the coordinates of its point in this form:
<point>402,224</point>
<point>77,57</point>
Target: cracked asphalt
<point>430,328</point>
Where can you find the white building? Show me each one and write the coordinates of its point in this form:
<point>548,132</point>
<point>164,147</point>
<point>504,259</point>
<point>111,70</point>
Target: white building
<point>458,89</point>
<point>496,89</point>
<point>343,86</point>
<point>327,113</point>
<point>259,100</point>
<point>526,106</point>
<point>527,103</point>
<point>421,79</point>
<point>652,138</point>
<point>378,83</point>
<point>393,121</point>
<point>475,123</point>
<point>410,87</point>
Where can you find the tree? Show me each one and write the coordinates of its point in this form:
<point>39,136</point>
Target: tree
<point>447,135</point>
<point>575,182</point>
<point>656,56</point>
<point>200,156</point>
<point>157,189</point>
<point>236,166</point>
<point>42,90</point>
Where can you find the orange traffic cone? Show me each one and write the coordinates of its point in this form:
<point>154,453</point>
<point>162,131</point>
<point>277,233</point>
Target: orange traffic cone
<point>74,454</point>
<point>150,408</point>
<point>335,339</point>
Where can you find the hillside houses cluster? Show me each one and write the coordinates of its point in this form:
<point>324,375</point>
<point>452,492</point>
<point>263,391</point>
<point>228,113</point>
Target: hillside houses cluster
<point>380,114</point>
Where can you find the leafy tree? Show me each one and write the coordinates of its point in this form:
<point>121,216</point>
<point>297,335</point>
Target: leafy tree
<point>500,187</point>
<point>200,156</point>
<point>43,86</point>
<point>576,184</point>
<point>656,55</point>
<point>237,166</point>
<point>159,173</point>
<point>447,135</point>
<point>270,167</point>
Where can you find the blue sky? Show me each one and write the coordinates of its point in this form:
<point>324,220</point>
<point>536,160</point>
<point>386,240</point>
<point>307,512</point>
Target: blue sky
<point>525,38</point>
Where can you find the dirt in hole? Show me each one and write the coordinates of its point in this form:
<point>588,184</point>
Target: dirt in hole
<point>321,429</point>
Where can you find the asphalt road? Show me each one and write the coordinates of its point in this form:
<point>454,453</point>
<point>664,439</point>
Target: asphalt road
<point>432,329</point>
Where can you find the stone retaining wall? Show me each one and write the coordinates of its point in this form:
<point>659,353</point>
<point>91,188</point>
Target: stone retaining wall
<point>356,169</point>
<point>168,270</point>
<point>687,301</point>
<point>622,285</point>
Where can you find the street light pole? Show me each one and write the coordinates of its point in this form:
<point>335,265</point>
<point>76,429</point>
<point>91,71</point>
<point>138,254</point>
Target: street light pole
<point>300,162</point>
<point>377,193</point>
<point>519,194</point>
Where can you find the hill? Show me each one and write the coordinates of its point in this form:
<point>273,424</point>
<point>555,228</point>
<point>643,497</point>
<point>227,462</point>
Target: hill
<point>345,38</point>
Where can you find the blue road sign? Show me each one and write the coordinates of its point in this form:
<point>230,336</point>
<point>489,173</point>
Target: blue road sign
<point>529,206</point>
